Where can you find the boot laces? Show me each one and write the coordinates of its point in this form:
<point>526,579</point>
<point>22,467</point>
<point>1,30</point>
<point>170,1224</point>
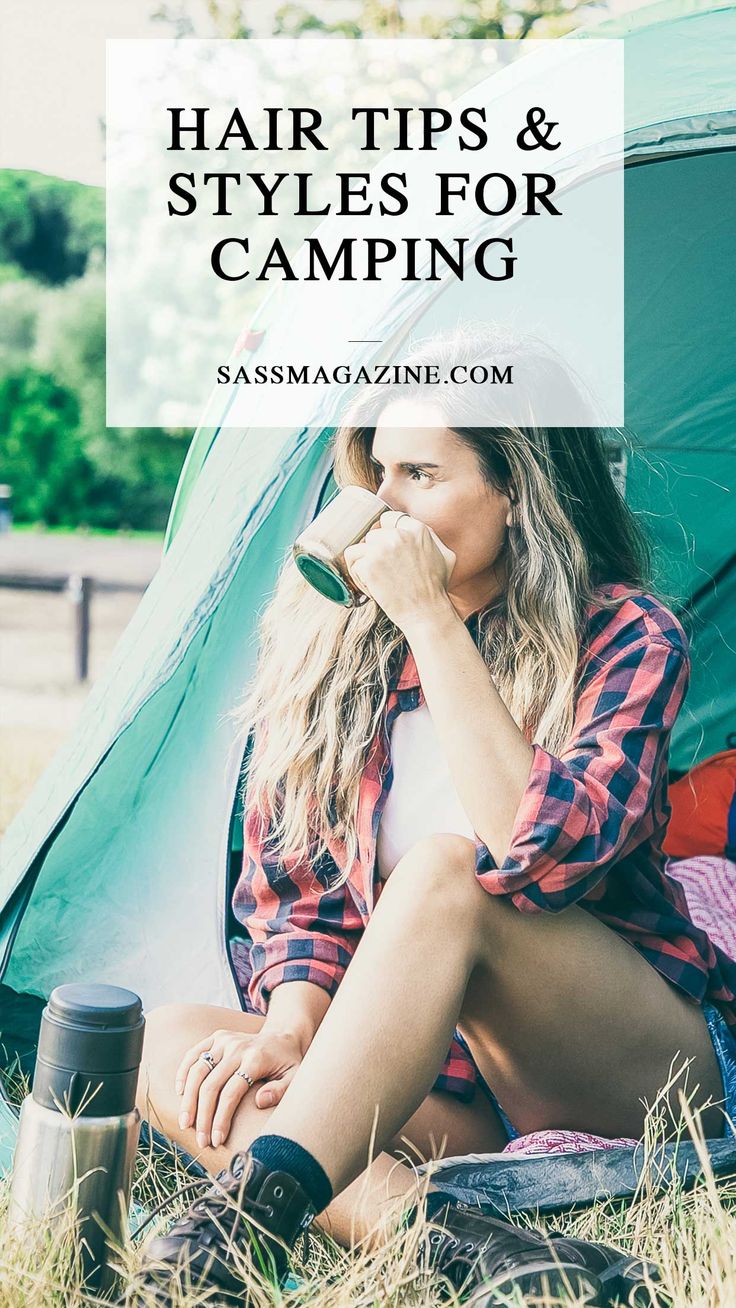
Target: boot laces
<point>508,1249</point>
<point>213,1205</point>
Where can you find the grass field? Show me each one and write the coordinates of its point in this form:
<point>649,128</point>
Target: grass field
<point>690,1235</point>
<point>86,532</point>
<point>40,698</point>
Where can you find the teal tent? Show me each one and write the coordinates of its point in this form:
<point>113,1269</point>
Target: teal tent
<point>119,866</point>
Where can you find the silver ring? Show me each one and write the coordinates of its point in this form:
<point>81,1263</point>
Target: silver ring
<point>401,515</point>
<point>209,1060</point>
<point>245,1077</point>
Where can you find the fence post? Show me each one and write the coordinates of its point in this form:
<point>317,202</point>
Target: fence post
<point>6,507</point>
<point>80,591</point>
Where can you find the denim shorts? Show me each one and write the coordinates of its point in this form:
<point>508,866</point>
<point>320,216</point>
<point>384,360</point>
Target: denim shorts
<point>724,1047</point>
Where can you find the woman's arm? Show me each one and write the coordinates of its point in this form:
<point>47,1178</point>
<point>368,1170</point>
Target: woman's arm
<point>297,1009</point>
<point>563,820</point>
<point>488,757</point>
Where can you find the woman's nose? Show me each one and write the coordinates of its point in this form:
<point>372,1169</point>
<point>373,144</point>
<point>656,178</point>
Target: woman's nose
<point>384,493</point>
<point>392,504</point>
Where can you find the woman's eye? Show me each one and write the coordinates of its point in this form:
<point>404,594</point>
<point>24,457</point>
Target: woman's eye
<point>412,472</point>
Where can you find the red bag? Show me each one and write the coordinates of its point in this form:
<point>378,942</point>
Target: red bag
<point>703,803</point>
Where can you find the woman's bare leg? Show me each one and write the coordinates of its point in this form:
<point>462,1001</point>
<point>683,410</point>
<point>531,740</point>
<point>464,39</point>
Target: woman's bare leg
<point>442,1126</point>
<point>567,1022</point>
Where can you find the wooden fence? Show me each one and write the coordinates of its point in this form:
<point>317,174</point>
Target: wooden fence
<point>80,590</point>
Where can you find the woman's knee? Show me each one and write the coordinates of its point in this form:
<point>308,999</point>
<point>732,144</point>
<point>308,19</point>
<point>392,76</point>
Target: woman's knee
<point>167,1026</point>
<point>163,1035</point>
<point>443,863</point>
<point>169,1031</point>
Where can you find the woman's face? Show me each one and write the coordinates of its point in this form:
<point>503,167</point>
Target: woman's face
<point>425,470</point>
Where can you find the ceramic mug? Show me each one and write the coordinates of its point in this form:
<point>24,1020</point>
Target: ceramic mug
<point>319,551</point>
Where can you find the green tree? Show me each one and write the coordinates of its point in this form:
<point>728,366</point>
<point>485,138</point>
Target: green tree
<point>472,19</point>
<point>21,304</point>
<point>41,453</point>
<point>16,223</point>
<point>225,17</point>
<point>135,469</point>
<point>498,20</point>
<point>48,225</point>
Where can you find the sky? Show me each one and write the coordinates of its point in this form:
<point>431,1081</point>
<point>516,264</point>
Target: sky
<point>52,76</point>
<point>52,81</point>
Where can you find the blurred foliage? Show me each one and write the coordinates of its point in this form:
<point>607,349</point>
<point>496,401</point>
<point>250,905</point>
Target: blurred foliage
<point>468,19</point>
<point>41,453</point>
<point>66,467</point>
<point>48,226</point>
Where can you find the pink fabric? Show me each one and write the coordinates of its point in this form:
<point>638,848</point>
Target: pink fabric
<point>562,1142</point>
<point>710,889</point>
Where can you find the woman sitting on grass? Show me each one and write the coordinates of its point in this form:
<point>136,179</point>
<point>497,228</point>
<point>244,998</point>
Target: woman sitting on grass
<point>453,872</point>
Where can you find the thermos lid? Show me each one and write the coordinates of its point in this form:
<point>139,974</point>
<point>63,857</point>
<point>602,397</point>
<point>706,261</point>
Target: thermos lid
<point>95,1005</point>
<point>89,1050</point>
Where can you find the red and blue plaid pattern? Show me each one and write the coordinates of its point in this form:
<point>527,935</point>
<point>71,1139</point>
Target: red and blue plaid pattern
<point>600,804</point>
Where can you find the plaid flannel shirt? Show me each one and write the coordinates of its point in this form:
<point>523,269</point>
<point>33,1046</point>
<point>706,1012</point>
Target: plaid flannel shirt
<point>600,805</point>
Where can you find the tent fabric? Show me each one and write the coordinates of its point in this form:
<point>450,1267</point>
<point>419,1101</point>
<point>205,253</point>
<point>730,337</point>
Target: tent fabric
<point>117,865</point>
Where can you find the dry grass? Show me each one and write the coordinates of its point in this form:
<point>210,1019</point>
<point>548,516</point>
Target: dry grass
<point>40,698</point>
<point>691,1236</point>
<point>24,753</point>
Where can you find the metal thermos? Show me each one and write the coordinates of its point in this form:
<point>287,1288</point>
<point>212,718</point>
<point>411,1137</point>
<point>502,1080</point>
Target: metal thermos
<point>79,1127</point>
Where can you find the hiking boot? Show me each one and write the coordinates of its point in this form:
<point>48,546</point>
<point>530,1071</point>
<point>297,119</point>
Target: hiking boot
<point>484,1258</point>
<point>248,1219</point>
<point>620,1273</point>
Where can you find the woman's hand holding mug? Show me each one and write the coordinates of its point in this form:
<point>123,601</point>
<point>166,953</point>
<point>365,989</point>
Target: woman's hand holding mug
<point>403,565</point>
<point>396,573</point>
<point>213,1086</point>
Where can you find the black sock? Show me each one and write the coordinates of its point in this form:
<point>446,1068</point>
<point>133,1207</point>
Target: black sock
<point>284,1155</point>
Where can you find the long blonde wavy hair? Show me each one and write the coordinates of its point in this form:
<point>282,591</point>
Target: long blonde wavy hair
<point>324,671</point>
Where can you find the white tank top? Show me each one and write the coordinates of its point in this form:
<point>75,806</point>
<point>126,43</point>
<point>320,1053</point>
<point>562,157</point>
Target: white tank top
<point>422,800</point>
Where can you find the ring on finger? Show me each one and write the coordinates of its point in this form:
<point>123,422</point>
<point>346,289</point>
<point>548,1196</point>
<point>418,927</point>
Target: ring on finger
<point>244,1076</point>
<point>207,1058</point>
